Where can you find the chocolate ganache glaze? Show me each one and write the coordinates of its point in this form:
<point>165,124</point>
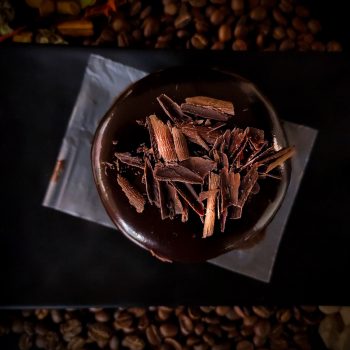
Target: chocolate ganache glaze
<point>173,240</point>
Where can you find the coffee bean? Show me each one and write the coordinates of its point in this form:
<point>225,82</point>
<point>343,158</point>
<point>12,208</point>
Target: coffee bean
<point>224,35</point>
<point>276,331</point>
<point>199,328</point>
<point>240,31</point>
<point>102,316</point>
<point>241,311</point>
<point>150,27</point>
<point>270,47</point>
<point>198,3</point>
<point>40,342</point>
<point>302,340</point>
<point>262,328</point>
<point>262,311</point>
<point>283,315</point>
<point>41,313</point>
<point>168,330</point>
<point>143,322</point>
<point>314,26</point>
<point>218,2</point>
<point>27,313</point>
<point>286,6</point>
<point>119,24</point>
<point>278,344</point>
<point>123,319</point>
<point>137,311</point>
<point>201,26</point>
<point>145,12</point>
<point>259,341</point>
<point>192,340</point>
<point>209,339</point>
<point>268,3</point>
<point>135,8</point>
<point>41,328</point>
<point>299,25</point>
<point>217,17</point>
<point>171,9</point>
<point>279,17</point>
<point>209,10</point>
<point>334,46</point>
<point>153,335</point>
<point>174,344</point>
<point>217,46</point>
<point>199,41</point>
<point>182,34</point>
<point>164,312</point>
<point>291,33</point>
<point>25,342</point>
<point>201,346</point>
<point>133,342</point>
<point>232,315</point>
<point>227,327</point>
<point>253,3</point>
<point>302,11</point>
<point>237,6</point>
<point>28,327</point>
<point>183,19</point>
<point>223,346</point>
<point>244,345</point>
<point>186,324</point>
<point>99,332</point>
<point>76,343</point>
<point>52,340</point>
<point>114,343</point>
<point>279,33</point>
<point>258,13</point>
<point>247,331</point>
<point>249,321</point>
<point>318,46</point>
<point>239,45</point>
<point>260,40</point>
<point>17,326</point>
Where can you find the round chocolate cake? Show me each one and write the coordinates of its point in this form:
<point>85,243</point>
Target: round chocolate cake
<point>190,163</point>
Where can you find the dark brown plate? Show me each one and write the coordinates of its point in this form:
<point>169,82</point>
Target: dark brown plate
<point>172,239</point>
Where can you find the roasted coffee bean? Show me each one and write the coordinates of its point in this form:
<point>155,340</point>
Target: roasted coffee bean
<point>199,328</point>
<point>186,324</point>
<point>41,313</point>
<point>259,341</point>
<point>222,346</point>
<point>201,26</point>
<point>244,345</point>
<point>314,26</point>
<point>143,322</point>
<point>40,342</point>
<point>318,46</point>
<point>239,45</point>
<point>192,340</point>
<point>211,319</point>
<point>237,6</point>
<point>286,45</point>
<point>164,312</point>
<point>27,313</point>
<point>241,311</point>
<point>262,311</point>
<point>41,328</point>
<point>271,47</point>
<point>99,332</point>
<point>168,330</point>
<point>133,342</point>
<point>119,24</point>
<point>299,25</point>
<point>260,40</point>
<point>218,16</point>
<point>334,46</point>
<point>174,344</point>
<point>302,341</point>
<point>215,329</point>
<point>70,329</point>
<point>291,33</point>
<point>279,17</point>
<point>225,34</point>
<point>279,33</point>
<point>209,339</point>
<point>76,343</point>
<point>102,316</point>
<point>241,31</point>
<point>52,340</point>
<point>171,9</point>
<point>137,311</point>
<point>278,343</point>
<point>218,2</point>
<point>153,335</point>
<point>262,328</point>
<point>253,3</point>
<point>247,331</point>
<point>286,6</point>
<point>209,10</point>
<point>150,27</point>
<point>17,326</point>
<point>232,315</point>
<point>198,3</point>
<point>135,8</point>
<point>250,321</point>
<point>28,327</point>
<point>201,346</point>
<point>25,342</point>
<point>258,13</point>
<point>283,315</point>
<point>217,46</point>
<point>199,41</point>
<point>146,12</point>
<point>183,19</point>
<point>114,343</point>
<point>182,34</point>
<point>302,11</point>
<point>123,319</point>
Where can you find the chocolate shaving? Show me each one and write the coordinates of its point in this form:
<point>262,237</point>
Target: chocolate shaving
<point>134,196</point>
<point>184,214</point>
<point>164,140</point>
<point>223,220</point>
<point>165,211</point>
<point>235,182</point>
<point>176,172</point>
<point>153,140</point>
<point>236,213</point>
<point>151,184</point>
<point>247,185</point>
<point>256,137</point>
<point>199,165</point>
<point>127,158</point>
<point>171,108</point>
<point>193,136</point>
<point>187,192</point>
<point>205,112</point>
<point>278,154</point>
<point>280,160</point>
<point>225,194</point>
<point>180,143</point>
<point>204,195</point>
<point>209,221</point>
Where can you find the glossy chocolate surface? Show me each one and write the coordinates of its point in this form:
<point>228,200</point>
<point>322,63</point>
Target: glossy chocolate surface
<point>172,239</point>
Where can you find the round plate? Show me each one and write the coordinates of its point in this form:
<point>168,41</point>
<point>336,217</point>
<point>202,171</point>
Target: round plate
<point>172,239</point>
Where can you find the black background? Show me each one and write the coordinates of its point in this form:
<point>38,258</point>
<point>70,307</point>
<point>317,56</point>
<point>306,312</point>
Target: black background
<point>50,258</point>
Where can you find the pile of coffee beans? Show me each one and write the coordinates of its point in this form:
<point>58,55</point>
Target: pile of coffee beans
<point>163,327</point>
<point>239,25</point>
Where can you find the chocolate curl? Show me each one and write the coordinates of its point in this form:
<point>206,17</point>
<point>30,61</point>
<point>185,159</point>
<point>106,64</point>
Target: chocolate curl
<point>180,143</point>
<point>209,222</point>
<point>135,197</point>
<point>163,139</point>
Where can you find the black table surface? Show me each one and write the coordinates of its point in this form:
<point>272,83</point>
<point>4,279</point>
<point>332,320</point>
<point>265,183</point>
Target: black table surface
<point>52,259</point>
